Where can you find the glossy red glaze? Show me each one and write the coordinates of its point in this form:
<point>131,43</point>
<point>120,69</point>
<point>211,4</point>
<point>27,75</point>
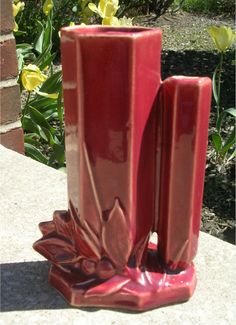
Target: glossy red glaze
<point>186,102</point>
<point>135,161</point>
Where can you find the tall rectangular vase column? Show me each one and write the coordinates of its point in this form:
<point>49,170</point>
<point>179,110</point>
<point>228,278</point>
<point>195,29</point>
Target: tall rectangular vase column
<point>115,124</point>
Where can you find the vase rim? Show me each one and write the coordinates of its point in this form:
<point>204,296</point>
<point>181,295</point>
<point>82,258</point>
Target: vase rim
<point>109,31</point>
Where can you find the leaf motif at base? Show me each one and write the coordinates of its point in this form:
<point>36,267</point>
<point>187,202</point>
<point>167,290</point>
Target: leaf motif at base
<point>93,213</point>
<point>63,224</point>
<point>56,249</point>
<point>47,227</point>
<point>116,238</point>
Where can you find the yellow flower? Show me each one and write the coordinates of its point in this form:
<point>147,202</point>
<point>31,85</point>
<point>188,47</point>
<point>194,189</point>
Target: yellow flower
<point>113,21</point>
<point>47,7</point>
<point>32,77</point>
<point>222,36</point>
<point>15,28</point>
<point>105,8</point>
<point>18,7</point>
<point>124,21</point>
<point>110,21</point>
<point>71,23</point>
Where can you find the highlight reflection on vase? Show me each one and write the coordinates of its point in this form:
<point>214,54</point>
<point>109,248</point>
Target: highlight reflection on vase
<point>135,159</point>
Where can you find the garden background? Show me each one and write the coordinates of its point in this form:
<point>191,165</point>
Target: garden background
<point>190,48</point>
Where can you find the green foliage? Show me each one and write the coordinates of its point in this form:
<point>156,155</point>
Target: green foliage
<point>42,121</point>
<point>223,137</point>
<point>42,113</point>
<point>64,11</point>
<point>159,7</point>
<point>37,43</point>
<point>209,6</point>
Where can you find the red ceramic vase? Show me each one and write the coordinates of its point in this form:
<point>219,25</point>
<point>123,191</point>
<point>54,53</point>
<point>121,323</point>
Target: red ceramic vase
<point>135,151</point>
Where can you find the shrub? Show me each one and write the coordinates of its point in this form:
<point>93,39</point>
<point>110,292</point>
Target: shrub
<point>159,7</point>
<point>209,6</point>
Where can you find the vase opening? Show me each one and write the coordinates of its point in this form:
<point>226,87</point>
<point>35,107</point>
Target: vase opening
<point>107,30</point>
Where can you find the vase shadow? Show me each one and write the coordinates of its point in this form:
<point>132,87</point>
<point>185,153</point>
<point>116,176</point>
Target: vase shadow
<point>24,286</point>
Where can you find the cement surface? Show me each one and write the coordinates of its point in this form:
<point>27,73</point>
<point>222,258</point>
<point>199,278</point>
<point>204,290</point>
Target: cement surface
<point>30,192</point>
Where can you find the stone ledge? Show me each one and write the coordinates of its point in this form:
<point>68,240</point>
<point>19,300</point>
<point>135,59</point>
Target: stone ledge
<point>30,193</point>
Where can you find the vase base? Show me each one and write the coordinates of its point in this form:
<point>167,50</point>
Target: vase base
<point>133,290</point>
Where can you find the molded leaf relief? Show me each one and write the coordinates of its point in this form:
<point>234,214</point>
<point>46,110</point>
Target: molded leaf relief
<point>97,245</point>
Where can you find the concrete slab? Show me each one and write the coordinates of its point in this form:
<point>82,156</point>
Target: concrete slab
<point>30,192</point>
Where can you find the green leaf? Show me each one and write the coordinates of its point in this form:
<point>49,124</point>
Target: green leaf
<point>216,138</point>
<point>43,103</point>
<point>29,126</point>
<point>20,59</point>
<point>32,138</point>
<point>52,84</point>
<point>219,120</point>
<point>19,33</point>
<point>39,119</point>
<point>49,136</point>
<point>24,46</point>
<point>33,152</point>
<point>231,111</point>
<point>47,95</point>
<point>58,155</point>
<point>230,142</point>
<point>50,115</point>
<point>43,135</point>
<point>47,41</point>
<point>43,57</point>
<point>38,42</point>
<point>24,51</point>
<point>232,155</point>
<point>214,86</point>
<point>47,61</point>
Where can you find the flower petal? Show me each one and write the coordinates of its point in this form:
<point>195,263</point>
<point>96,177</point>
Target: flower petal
<point>52,96</point>
<point>110,21</point>
<point>93,7</point>
<point>222,36</point>
<point>47,7</point>
<point>32,77</point>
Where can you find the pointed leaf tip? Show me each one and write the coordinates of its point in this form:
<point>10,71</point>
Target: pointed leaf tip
<point>116,236</point>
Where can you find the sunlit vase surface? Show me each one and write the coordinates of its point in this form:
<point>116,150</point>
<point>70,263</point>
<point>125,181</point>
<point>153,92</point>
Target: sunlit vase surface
<point>135,149</point>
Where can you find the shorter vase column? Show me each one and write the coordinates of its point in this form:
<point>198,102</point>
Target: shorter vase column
<point>185,109</point>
